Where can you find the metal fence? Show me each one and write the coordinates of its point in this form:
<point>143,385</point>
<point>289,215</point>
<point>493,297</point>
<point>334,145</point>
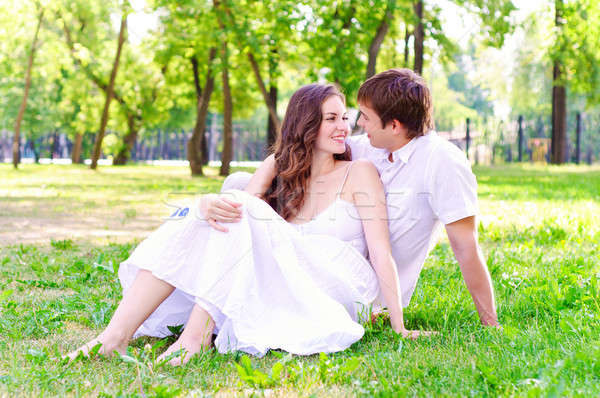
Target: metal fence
<point>160,144</point>
<point>485,142</point>
<point>526,140</point>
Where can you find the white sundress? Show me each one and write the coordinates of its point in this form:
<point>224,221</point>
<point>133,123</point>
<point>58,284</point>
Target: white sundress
<point>267,283</point>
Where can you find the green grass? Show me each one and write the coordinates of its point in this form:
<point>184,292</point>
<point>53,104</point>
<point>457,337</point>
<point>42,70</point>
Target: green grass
<point>539,230</point>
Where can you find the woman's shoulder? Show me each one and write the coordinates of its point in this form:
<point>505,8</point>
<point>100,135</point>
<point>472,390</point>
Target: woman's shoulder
<point>362,175</point>
<point>363,166</point>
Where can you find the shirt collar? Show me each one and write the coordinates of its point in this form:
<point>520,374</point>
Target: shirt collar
<point>404,153</point>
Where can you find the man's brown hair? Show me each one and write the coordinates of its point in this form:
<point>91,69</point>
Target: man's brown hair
<point>399,94</point>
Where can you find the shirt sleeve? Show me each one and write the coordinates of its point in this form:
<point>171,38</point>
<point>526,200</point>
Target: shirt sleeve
<point>359,145</point>
<point>452,185</point>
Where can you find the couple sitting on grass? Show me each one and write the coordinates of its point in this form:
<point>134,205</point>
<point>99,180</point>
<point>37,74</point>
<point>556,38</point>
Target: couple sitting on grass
<point>328,228</point>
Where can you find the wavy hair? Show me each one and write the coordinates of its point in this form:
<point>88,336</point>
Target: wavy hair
<point>294,148</point>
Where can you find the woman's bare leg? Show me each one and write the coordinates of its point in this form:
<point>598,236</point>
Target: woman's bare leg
<point>196,336</point>
<point>144,296</point>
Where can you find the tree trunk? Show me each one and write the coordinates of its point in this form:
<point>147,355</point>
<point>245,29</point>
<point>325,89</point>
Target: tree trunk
<point>272,131</point>
<point>54,147</point>
<point>109,95</point>
<point>263,89</point>
<point>197,148</point>
<point>95,79</point>
<point>227,154</point>
<point>76,151</point>
<point>407,36</point>
<point>559,101</point>
<point>559,117</point>
<point>36,152</point>
<point>128,142</point>
<point>271,128</point>
<point>382,30</point>
<point>16,149</point>
<point>419,37</point>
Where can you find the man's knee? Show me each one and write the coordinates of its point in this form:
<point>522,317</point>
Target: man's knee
<point>238,180</point>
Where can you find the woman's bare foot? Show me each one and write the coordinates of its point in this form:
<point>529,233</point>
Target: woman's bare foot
<point>110,342</point>
<point>184,349</point>
<point>196,336</point>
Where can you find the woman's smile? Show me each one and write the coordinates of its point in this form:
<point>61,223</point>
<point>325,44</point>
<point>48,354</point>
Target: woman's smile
<point>339,139</point>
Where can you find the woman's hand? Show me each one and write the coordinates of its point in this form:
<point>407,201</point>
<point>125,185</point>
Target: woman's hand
<point>218,208</point>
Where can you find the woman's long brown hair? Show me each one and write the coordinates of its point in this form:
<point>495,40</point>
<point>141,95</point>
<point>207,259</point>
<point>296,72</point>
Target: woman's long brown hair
<point>294,148</point>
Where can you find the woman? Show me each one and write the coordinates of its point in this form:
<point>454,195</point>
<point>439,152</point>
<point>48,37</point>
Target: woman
<point>292,274</point>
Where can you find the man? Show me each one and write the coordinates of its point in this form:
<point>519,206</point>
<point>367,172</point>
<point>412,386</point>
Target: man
<point>428,183</point>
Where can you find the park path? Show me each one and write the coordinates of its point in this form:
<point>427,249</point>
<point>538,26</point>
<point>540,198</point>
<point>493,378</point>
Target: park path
<point>17,230</point>
<point>41,203</point>
<point>40,220</point>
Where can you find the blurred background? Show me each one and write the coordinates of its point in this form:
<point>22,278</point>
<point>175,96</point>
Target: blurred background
<point>206,81</point>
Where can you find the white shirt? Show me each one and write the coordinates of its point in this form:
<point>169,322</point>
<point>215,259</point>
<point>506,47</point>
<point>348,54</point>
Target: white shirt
<point>428,184</point>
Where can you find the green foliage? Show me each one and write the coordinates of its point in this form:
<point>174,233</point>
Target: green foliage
<point>41,114</point>
<point>293,42</point>
<point>576,45</point>
<point>255,377</point>
<point>338,35</point>
<point>530,91</point>
<point>495,17</point>
<point>450,110</point>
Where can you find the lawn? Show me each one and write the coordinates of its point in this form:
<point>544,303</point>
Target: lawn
<point>65,229</point>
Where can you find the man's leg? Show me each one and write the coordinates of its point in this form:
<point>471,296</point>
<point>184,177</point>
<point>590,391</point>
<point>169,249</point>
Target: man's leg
<point>144,296</point>
<point>238,180</point>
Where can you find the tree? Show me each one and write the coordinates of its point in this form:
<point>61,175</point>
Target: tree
<point>227,154</point>
<point>263,32</point>
<point>419,34</point>
<point>16,149</point>
<point>345,38</point>
<point>109,93</point>
<point>47,87</point>
<point>377,40</point>
<point>143,101</point>
<point>87,33</point>
<point>493,16</point>
<point>78,105</point>
<point>189,43</point>
<point>136,89</point>
<point>575,61</point>
<point>559,97</point>
<point>197,148</point>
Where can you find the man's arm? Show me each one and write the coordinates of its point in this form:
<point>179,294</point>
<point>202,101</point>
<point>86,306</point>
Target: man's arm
<point>463,239</point>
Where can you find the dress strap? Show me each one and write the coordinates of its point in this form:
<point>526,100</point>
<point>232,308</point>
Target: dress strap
<point>345,178</point>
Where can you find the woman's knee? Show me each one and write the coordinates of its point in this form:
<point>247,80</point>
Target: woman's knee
<point>238,180</point>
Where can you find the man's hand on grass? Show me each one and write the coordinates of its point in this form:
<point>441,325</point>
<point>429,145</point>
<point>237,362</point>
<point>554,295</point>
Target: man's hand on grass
<point>414,334</point>
<point>407,334</point>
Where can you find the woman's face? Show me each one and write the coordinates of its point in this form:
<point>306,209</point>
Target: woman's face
<point>334,126</point>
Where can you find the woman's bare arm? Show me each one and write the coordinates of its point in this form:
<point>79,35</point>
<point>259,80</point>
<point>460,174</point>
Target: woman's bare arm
<point>369,198</point>
<point>262,178</point>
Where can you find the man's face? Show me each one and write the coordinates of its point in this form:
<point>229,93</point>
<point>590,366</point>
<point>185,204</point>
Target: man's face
<point>379,136</point>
